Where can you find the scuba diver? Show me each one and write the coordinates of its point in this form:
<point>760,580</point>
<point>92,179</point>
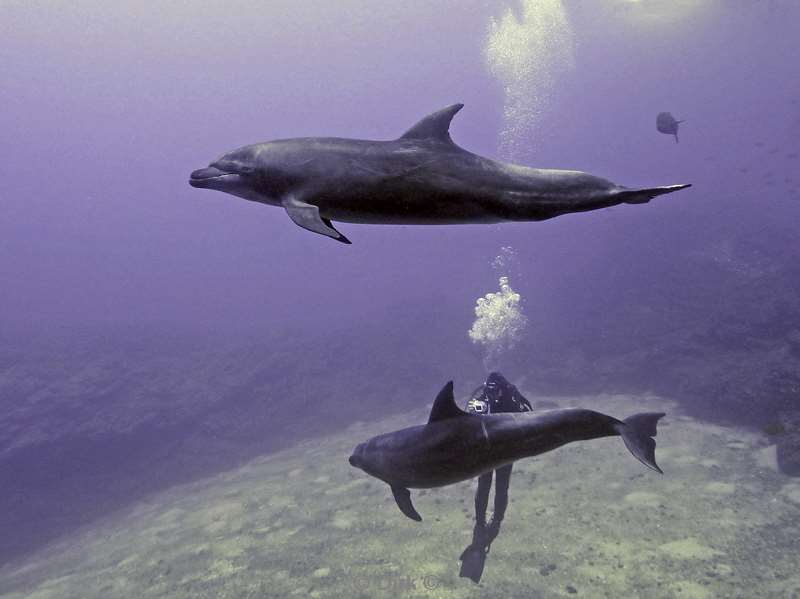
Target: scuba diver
<point>494,396</point>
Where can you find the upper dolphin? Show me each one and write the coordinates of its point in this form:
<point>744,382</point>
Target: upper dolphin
<point>422,177</point>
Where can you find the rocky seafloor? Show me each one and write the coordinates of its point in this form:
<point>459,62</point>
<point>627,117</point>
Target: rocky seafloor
<point>586,520</point>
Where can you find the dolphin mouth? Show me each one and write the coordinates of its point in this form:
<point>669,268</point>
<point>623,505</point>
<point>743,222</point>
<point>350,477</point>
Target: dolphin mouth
<point>205,177</point>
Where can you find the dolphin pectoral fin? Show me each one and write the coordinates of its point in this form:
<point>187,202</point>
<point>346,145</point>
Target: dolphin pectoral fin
<point>403,498</point>
<point>307,216</point>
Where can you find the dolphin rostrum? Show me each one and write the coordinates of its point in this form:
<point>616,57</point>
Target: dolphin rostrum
<point>455,446</point>
<point>420,178</point>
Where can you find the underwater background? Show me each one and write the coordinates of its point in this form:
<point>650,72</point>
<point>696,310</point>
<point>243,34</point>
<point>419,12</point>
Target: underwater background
<point>184,374</point>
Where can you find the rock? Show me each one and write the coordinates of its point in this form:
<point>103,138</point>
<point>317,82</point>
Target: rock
<point>767,457</point>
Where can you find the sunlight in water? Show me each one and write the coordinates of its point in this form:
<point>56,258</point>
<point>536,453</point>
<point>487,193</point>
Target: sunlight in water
<point>527,51</point>
<point>499,322</point>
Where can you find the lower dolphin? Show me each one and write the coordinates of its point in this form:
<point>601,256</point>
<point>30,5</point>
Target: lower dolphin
<point>455,446</point>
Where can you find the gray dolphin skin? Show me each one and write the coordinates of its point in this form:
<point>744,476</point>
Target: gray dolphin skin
<point>421,178</point>
<point>455,446</point>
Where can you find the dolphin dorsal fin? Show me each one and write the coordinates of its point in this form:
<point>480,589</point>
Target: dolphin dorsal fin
<point>444,406</point>
<point>435,126</point>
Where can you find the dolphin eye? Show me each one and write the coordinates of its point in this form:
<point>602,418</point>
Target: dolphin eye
<point>246,169</point>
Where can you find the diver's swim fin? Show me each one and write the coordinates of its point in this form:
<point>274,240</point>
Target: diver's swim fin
<point>403,498</point>
<point>472,561</point>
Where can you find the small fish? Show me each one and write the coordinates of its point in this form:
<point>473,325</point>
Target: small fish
<point>666,123</point>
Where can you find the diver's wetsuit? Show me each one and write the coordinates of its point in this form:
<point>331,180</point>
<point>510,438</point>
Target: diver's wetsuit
<point>495,396</point>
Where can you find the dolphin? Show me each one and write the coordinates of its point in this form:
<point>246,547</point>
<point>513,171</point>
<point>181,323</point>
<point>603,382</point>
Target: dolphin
<point>666,123</point>
<point>422,177</point>
<point>455,446</point>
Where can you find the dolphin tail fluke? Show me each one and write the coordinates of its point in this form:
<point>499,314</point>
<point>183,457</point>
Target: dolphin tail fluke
<point>637,432</point>
<point>642,196</point>
<point>403,498</point>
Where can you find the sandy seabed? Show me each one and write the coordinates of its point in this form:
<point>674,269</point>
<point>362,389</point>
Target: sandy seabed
<point>586,520</point>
